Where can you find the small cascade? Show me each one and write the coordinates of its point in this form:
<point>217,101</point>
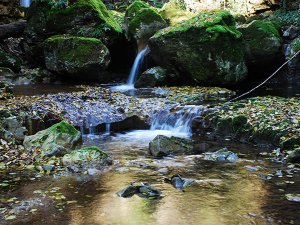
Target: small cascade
<point>138,62</point>
<point>107,129</point>
<point>177,120</point>
<point>25,3</point>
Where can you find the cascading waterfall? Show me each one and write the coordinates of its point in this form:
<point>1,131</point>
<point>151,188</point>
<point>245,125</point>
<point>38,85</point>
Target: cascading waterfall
<point>138,62</point>
<point>25,3</point>
<point>177,120</point>
<point>107,129</point>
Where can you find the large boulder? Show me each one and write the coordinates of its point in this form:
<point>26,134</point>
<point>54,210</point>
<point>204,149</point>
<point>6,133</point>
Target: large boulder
<point>262,41</point>
<point>162,146</point>
<point>57,140</point>
<point>206,49</point>
<point>88,18</point>
<point>86,158</point>
<point>10,61</point>
<point>152,77</point>
<point>142,20</point>
<point>71,55</point>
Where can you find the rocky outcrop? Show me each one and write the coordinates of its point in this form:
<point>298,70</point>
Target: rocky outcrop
<point>163,146</point>
<point>152,77</point>
<point>262,41</point>
<point>207,49</point>
<point>142,20</point>
<point>76,56</point>
<point>86,18</point>
<point>57,140</point>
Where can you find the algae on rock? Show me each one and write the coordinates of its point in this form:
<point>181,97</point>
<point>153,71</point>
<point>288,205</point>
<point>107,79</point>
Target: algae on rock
<point>57,140</point>
<point>207,49</point>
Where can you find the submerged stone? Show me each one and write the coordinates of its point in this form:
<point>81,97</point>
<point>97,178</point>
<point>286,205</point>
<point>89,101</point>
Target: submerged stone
<point>76,56</point>
<point>57,140</point>
<point>143,190</point>
<point>222,155</point>
<point>86,159</point>
<point>206,49</point>
<point>162,146</point>
<point>179,182</point>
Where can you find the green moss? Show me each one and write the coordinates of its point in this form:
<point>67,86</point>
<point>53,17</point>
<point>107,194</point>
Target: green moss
<point>295,45</point>
<point>212,22</point>
<point>92,148</point>
<point>285,18</point>
<point>268,28</point>
<point>64,128</point>
<point>135,7</point>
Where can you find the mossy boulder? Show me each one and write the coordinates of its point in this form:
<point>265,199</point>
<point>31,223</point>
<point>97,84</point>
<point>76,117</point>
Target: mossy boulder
<point>57,140</point>
<point>86,158</point>
<point>10,61</point>
<point>88,18</point>
<point>206,49</point>
<point>152,77</point>
<point>142,20</point>
<point>262,41</point>
<point>162,146</point>
<point>77,56</point>
<point>175,11</point>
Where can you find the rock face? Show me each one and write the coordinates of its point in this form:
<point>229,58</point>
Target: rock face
<point>262,41</point>
<point>142,20</point>
<point>58,139</point>
<point>162,146</point>
<point>86,158</point>
<point>88,18</point>
<point>10,61</point>
<point>76,55</point>
<point>207,49</point>
<point>9,11</point>
<point>152,77</point>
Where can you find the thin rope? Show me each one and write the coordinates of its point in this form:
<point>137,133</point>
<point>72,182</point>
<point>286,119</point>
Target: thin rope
<point>248,92</point>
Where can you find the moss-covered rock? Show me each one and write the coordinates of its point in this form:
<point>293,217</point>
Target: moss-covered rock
<point>207,49</point>
<point>88,18</point>
<point>142,20</point>
<point>10,61</point>
<point>86,158</point>
<point>58,139</point>
<point>162,146</point>
<point>262,41</point>
<point>174,12</point>
<point>152,77</point>
<point>78,56</point>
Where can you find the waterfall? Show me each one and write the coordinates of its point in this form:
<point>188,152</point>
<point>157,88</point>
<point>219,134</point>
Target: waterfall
<point>138,62</point>
<point>25,3</point>
<point>107,130</point>
<point>177,120</point>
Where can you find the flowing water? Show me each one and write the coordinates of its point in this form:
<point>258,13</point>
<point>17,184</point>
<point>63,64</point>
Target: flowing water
<point>223,193</point>
<point>138,62</point>
<point>25,3</point>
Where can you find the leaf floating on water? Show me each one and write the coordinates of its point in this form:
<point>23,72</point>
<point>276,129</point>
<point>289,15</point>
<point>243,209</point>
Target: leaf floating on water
<point>10,217</point>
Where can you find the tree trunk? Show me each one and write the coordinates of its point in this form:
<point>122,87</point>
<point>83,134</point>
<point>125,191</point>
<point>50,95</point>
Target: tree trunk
<point>14,29</point>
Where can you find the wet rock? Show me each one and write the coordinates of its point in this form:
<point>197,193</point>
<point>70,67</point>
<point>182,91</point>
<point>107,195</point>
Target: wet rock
<point>216,58</point>
<point>142,20</point>
<point>293,156</point>
<point>179,182</point>
<point>143,190</point>
<point>152,77</point>
<point>87,159</point>
<point>6,91</point>
<point>251,168</point>
<point>13,129</point>
<point>163,170</point>
<point>76,56</point>
<point>58,139</point>
<point>222,155</point>
<point>162,146</point>
<point>6,74</point>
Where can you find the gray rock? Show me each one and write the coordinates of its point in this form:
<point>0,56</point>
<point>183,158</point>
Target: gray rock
<point>143,190</point>
<point>58,139</point>
<point>293,156</point>
<point>152,77</point>
<point>162,146</point>
<point>222,155</point>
